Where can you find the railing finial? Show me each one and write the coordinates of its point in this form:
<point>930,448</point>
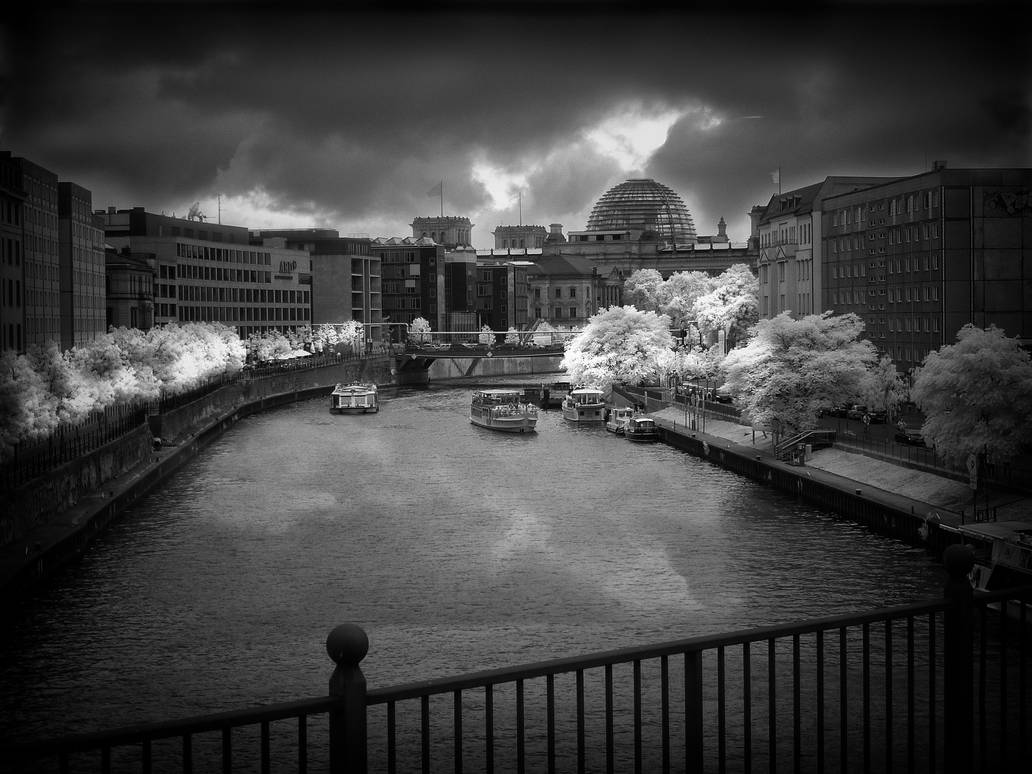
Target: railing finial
<point>347,644</point>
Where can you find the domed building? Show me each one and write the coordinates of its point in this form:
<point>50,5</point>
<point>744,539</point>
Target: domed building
<point>649,210</point>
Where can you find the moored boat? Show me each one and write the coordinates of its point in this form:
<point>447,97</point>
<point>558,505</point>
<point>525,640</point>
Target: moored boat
<point>641,429</point>
<point>585,404</point>
<point>616,419</point>
<point>355,398</point>
<point>1003,559</point>
<point>506,410</point>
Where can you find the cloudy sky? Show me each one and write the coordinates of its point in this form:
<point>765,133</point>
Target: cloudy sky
<point>311,117</point>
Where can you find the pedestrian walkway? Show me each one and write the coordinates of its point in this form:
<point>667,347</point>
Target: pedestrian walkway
<point>922,493</point>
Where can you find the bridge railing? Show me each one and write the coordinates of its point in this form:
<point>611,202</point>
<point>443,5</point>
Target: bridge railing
<point>940,686</point>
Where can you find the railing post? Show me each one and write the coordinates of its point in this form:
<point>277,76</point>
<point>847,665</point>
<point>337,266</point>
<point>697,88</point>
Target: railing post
<point>958,657</point>
<point>347,645</point>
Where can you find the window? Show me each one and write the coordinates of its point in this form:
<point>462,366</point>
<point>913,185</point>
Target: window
<point>558,292</point>
<point>573,292</point>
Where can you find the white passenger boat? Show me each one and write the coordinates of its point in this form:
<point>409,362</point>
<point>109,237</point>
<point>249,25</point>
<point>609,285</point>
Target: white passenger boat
<point>641,429</point>
<point>585,404</point>
<point>354,399</point>
<point>617,418</point>
<point>506,410</point>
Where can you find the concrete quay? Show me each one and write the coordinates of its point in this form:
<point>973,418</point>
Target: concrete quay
<point>899,501</point>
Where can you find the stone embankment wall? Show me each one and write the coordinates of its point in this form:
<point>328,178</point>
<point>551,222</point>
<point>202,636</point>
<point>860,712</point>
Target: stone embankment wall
<point>41,499</point>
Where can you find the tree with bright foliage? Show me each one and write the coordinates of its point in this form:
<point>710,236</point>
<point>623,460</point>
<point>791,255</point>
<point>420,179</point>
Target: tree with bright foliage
<point>790,368</point>
<point>882,388</point>
<point>619,344</point>
<point>419,331</point>
<point>976,396</point>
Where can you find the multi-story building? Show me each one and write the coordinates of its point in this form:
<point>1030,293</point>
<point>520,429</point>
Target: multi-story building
<point>788,231</point>
<point>451,231</point>
<point>346,282</point>
<point>501,294</point>
<point>413,280</point>
<point>41,262</point>
<point>919,257</point>
<point>208,272</point>
<point>12,310</point>
<point>129,289</point>
<point>567,290</point>
<point>82,282</point>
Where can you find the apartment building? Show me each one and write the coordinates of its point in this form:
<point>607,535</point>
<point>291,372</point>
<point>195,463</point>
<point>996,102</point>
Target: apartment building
<point>12,309</point>
<point>919,257</point>
<point>413,280</point>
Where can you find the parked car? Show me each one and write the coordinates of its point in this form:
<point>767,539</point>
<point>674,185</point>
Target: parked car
<point>909,435</point>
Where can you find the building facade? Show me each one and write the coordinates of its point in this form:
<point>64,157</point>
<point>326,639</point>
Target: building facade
<point>919,257</point>
<point>12,309</point>
<point>129,289</point>
<point>208,272</point>
<point>788,235</point>
<point>502,294</point>
<point>82,281</point>
<point>532,237</point>
<point>345,276</point>
<point>567,290</point>
<point>451,231</point>
<point>413,274</point>
<point>41,260</point>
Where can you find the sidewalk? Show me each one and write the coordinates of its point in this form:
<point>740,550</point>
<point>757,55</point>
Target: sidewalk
<point>922,493</point>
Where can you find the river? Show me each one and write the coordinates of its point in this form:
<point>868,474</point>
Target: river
<point>455,547</point>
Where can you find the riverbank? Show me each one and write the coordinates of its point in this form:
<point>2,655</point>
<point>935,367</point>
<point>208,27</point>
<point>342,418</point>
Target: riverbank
<point>927,496</point>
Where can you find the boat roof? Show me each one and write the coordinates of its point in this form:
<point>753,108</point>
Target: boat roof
<point>499,391</point>
<point>586,389</point>
<point>997,530</point>
<point>355,386</point>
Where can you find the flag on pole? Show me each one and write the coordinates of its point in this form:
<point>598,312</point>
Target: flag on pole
<point>775,176</point>
<point>437,190</point>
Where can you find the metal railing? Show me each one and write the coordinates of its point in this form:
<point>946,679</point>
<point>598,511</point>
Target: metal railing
<point>937,686</point>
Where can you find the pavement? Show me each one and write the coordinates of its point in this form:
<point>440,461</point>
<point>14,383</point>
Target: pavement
<point>921,492</point>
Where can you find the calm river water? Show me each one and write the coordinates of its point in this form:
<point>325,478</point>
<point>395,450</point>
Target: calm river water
<point>455,547</point>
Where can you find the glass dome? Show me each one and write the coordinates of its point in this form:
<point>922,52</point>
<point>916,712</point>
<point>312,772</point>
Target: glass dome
<point>643,205</point>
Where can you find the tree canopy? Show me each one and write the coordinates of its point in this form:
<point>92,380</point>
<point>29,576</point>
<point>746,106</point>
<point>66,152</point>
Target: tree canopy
<point>976,396</point>
<point>618,344</point>
<point>790,368</point>
<point>696,301</point>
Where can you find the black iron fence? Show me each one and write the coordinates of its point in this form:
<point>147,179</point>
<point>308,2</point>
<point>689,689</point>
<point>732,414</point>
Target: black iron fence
<point>940,686</point>
<point>30,459</point>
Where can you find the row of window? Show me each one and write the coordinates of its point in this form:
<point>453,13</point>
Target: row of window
<point>236,295</point>
<point>899,205</point>
<point>896,295</point>
<point>230,314</point>
<point>223,254</point>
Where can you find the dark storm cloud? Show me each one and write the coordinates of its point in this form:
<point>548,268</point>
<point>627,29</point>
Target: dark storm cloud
<point>355,115</point>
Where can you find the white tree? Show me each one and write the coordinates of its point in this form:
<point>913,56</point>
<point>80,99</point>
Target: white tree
<point>486,335</point>
<point>731,305</point>
<point>641,289</point>
<point>512,336</point>
<point>619,344</point>
<point>790,368</point>
<point>882,388</point>
<point>419,331</point>
<point>976,396</point>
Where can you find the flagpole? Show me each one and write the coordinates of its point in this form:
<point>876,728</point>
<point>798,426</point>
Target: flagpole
<point>779,181</point>
<point>442,198</point>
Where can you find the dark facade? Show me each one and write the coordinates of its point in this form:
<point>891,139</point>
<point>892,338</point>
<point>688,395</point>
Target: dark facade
<point>920,257</point>
<point>413,275</point>
<point>12,283</point>
<point>502,294</point>
<point>81,250</point>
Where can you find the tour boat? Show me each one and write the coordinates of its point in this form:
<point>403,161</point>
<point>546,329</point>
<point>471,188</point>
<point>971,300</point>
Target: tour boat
<point>504,410</point>
<point>641,429</point>
<point>354,399</point>
<point>1003,559</point>
<point>585,404</point>
<point>617,418</point>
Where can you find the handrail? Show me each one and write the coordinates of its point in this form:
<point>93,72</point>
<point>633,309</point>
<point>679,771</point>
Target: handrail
<point>673,647</point>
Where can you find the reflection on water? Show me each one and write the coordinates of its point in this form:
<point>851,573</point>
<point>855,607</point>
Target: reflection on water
<point>456,548</point>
